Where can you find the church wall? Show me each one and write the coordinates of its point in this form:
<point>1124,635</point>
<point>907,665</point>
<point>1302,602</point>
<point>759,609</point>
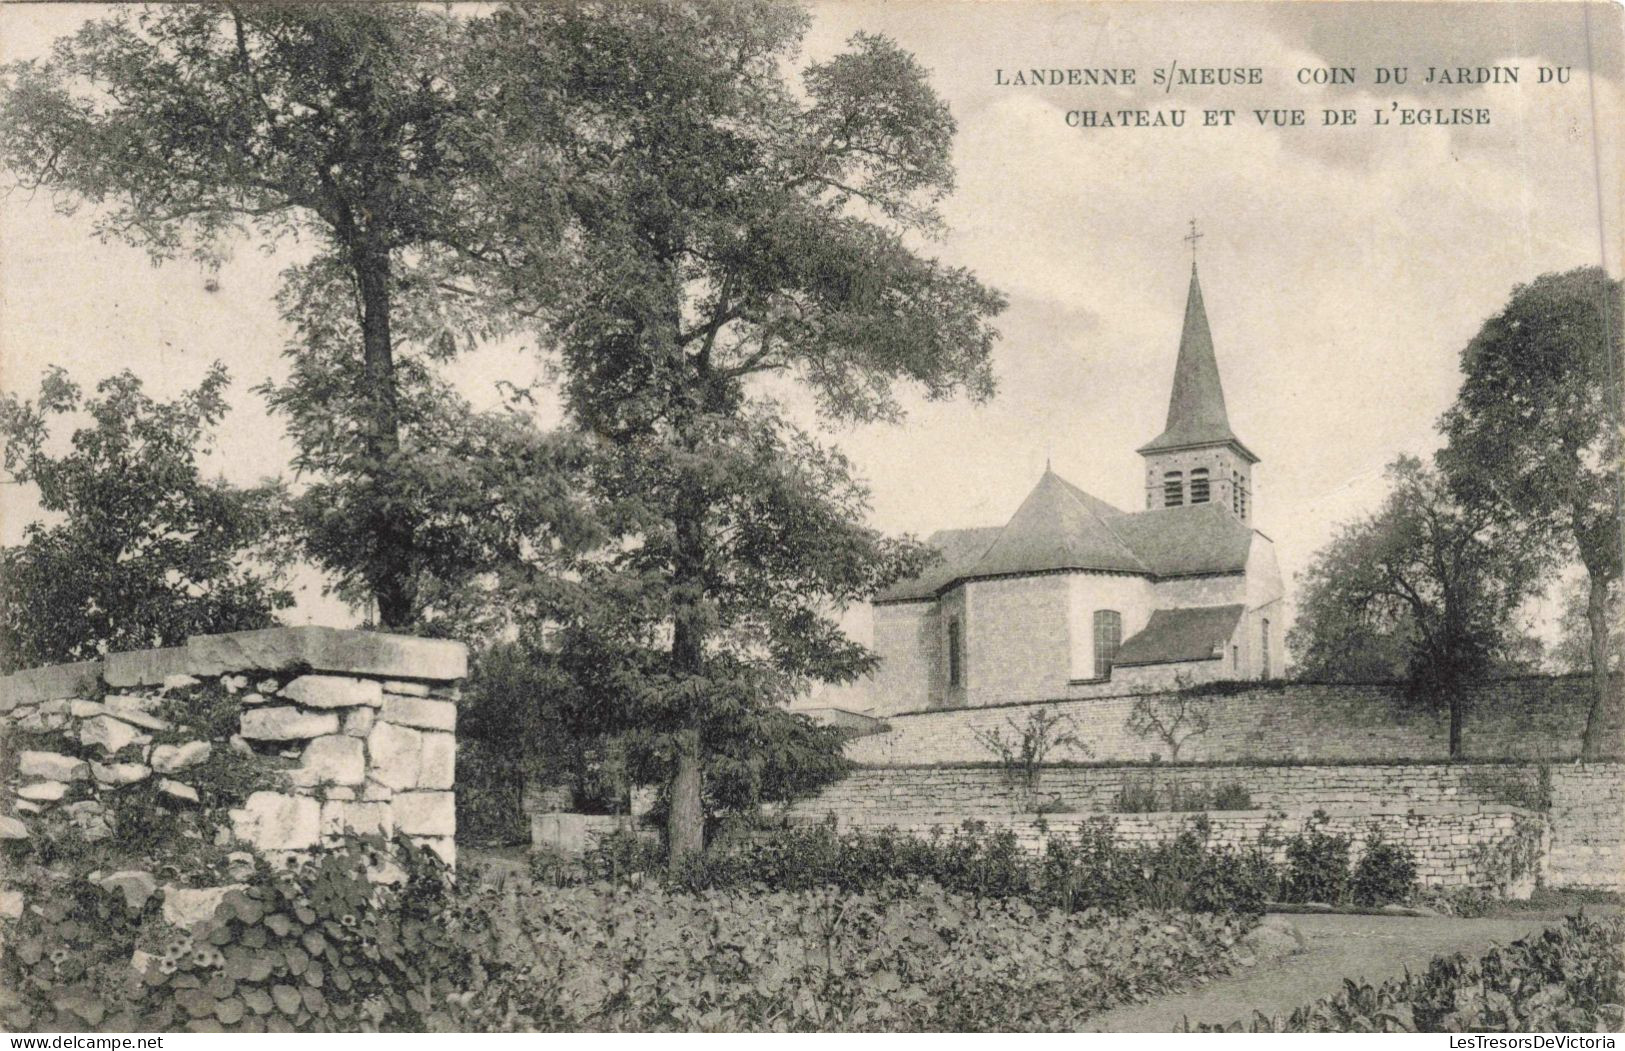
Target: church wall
<point>906,639</point>
<point>1017,638</point>
<point>1215,590</point>
<point>1132,597</point>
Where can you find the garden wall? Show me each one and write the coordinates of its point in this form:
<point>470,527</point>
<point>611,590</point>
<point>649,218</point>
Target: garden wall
<point>1538,717</point>
<point>1581,806</point>
<point>1455,844</point>
<point>281,740</point>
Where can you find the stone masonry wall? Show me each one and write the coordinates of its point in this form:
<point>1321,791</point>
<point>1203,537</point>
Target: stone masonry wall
<point>1526,718</point>
<point>1453,843</point>
<point>1585,822</point>
<point>325,732</point>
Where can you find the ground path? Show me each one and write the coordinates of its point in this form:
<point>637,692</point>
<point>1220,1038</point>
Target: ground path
<point>1365,948</point>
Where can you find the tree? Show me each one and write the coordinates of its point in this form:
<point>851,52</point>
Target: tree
<point>1572,653</point>
<point>1444,577</point>
<point>730,231</point>
<point>1535,430</point>
<point>146,551</point>
<point>337,125</point>
<point>1172,719</point>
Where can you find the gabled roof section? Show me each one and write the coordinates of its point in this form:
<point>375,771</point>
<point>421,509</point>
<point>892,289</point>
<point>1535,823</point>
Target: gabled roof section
<point>960,548</point>
<point>1196,412</point>
<point>1061,527</point>
<point>1058,526</point>
<point>1198,633</point>
<point>1199,540</point>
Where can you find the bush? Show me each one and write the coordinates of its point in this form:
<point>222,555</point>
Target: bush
<point>1089,870</point>
<point>1386,873</point>
<point>1568,979</point>
<point>1143,797</point>
<point>900,958</point>
<point>1232,796</point>
<point>1317,864</point>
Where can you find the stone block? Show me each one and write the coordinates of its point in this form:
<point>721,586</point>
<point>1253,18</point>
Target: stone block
<point>116,774</point>
<point>419,712</point>
<point>145,667</point>
<point>11,904</point>
<point>11,828</point>
<point>43,791</point>
<point>277,821</point>
<point>58,681</point>
<point>53,766</point>
<point>333,691</point>
<point>445,847</point>
<point>358,819</point>
<point>358,721</point>
<point>331,650</point>
<point>335,759</point>
<point>111,734</point>
<point>84,709</point>
<point>426,813</point>
<point>287,724</point>
<point>439,766</point>
<point>396,755</point>
<point>136,885</point>
<point>186,907</point>
<point>170,758</point>
<point>407,689</point>
<point>176,790</point>
<point>137,711</point>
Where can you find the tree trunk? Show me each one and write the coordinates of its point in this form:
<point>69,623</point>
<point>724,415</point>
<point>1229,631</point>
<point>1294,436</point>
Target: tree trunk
<point>685,822</point>
<point>1455,720</point>
<point>390,571</point>
<point>1592,746</point>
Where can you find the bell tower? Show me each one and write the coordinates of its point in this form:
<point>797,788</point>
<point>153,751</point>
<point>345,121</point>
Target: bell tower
<point>1198,459</point>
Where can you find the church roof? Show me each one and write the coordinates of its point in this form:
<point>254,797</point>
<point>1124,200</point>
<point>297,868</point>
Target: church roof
<point>1196,412</point>
<point>1197,633</point>
<point>1061,527</point>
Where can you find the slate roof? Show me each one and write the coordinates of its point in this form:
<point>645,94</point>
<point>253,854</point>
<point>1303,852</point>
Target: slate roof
<point>1193,634</point>
<point>1061,527</point>
<point>1196,412</point>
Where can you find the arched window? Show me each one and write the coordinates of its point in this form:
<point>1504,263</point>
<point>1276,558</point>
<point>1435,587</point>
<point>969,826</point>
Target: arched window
<point>1199,486</point>
<point>1264,653</point>
<point>956,656</point>
<point>1108,638</point>
<point>1173,489</point>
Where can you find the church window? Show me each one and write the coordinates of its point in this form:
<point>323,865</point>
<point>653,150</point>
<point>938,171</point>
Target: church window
<point>1199,486</point>
<point>1173,489</point>
<point>956,657</point>
<point>1235,658</point>
<point>1108,638</point>
<point>1264,653</point>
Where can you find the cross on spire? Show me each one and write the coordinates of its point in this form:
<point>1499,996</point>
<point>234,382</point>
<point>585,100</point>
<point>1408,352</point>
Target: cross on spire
<point>1191,239</point>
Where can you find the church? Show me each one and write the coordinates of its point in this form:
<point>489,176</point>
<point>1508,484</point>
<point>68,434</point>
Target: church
<point>1075,598</point>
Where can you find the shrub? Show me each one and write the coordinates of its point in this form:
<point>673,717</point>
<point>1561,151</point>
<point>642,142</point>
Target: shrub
<point>900,958</point>
<point>1567,979</point>
<point>1386,873</point>
<point>1137,797</point>
<point>1232,795</point>
<point>1317,864</point>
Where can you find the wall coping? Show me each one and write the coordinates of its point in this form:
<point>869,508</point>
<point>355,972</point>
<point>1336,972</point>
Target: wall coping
<point>951,820</point>
<point>341,650</point>
<point>1261,762</point>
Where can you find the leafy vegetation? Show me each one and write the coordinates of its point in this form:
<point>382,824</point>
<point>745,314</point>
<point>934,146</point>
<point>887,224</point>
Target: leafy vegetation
<point>146,552</point>
<point>1567,979</point>
<point>1317,864</point>
<point>1143,796</point>
<point>1385,873</point>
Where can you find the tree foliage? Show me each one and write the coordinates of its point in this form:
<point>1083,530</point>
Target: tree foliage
<point>1535,432</point>
<point>728,228</point>
<point>139,549</point>
<point>1441,577</point>
<point>339,126</point>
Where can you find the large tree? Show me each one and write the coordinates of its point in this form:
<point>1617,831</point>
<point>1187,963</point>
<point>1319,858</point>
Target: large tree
<point>339,125</point>
<point>731,230</point>
<point>1536,431</point>
<point>1442,578</point>
<point>140,550</point>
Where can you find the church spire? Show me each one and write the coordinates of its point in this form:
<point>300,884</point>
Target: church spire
<point>1196,412</point>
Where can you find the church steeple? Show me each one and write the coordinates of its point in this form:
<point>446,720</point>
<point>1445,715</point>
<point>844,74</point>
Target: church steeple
<point>1197,458</point>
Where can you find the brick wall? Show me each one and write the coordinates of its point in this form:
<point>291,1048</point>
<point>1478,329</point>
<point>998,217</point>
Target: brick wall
<point>1527,718</point>
<point>337,731</point>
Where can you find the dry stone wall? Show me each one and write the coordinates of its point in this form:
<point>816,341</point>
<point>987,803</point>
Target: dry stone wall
<point>1454,844</point>
<point>280,741</point>
<point>1538,717</point>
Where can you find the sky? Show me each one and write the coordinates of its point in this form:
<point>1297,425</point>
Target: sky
<point>1343,268</point>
